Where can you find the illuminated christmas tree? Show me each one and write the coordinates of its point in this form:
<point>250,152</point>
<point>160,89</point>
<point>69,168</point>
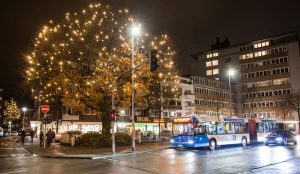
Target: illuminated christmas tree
<point>12,112</point>
<point>86,57</point>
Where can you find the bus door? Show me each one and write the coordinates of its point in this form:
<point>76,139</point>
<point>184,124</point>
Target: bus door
<point>252,130</point>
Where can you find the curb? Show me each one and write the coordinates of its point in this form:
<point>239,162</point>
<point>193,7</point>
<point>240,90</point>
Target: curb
<point>65,157</point>
<point>89,157</point>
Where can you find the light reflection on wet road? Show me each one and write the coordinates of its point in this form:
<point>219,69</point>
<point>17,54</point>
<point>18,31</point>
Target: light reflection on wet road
<point>252,159</point>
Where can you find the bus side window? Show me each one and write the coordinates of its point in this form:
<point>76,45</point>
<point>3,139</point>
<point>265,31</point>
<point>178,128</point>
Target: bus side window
<point>211,129</point>
<point>220,128</point>
<point>237,128</point>
<point>290,127</point>
<point>229,128</point>
<point>200,130</point>
<point>260,127</point>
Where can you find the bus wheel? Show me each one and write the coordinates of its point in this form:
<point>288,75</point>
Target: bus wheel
<point>212,144</point>
<point>244,141</point>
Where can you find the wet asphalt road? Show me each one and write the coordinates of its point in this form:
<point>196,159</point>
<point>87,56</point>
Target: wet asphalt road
<point>252,159</point>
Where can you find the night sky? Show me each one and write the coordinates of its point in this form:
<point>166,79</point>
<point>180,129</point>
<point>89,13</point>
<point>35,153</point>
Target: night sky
<point>193,26</point>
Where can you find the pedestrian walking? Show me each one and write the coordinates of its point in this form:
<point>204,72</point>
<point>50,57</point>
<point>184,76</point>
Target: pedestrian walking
<point>41,138</point>
<point>23,136</point>
<point>49,137</point>
<point>53,136</point>
<point>31,135</point>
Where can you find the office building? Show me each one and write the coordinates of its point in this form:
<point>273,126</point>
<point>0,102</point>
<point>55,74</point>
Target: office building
<point>266,72</point>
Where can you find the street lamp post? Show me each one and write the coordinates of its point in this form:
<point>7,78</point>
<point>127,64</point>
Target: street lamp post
<point>161,105</point>
<point>135,30</point>
<point>230,73</point>
<point>113,122</point>
<point>24,109</point>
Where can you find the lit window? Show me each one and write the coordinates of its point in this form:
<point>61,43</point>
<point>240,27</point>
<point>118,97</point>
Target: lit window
<point>208,64</point>
<point>215,71</point>
<point>259,53</point>
<point>263,44</point>
<point>255,45</point>
<point>217,78</point>
<point>264,53</point>
<point>267,43</point>
<point>215,62</point>
<point>259,45</point>
<point>215,54</point>
<point>209,72</point>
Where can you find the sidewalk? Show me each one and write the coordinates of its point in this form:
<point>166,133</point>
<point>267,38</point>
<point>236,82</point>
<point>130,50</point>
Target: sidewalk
<point>58,151</point>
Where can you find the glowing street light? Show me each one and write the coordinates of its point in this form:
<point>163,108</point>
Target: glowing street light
<point>24,109</point>
<point>135,30</point>
<point>230,73</point>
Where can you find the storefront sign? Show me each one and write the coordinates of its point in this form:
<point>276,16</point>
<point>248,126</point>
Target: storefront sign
<point>182,120</point>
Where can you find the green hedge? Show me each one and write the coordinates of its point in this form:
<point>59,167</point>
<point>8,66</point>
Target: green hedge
<point>122,139</point>
<point>102,140</point>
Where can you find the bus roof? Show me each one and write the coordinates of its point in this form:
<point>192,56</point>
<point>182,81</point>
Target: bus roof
<point>204,118</point>
<point>268,120</point>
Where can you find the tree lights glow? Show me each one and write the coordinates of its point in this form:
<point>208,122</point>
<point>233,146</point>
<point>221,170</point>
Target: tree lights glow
<point>76,61</point>
<point>12,111</point>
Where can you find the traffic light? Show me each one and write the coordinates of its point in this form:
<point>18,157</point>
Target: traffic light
<point>153,60</point>
<point>114,115</point>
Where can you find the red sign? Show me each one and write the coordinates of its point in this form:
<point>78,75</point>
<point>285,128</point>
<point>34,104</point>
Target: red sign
<point>45,109</point>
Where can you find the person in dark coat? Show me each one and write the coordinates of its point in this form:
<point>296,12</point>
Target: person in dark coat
<point>41,138</point>
<point>23,136</point>
<point>31,135</point>
<point>49,136</point>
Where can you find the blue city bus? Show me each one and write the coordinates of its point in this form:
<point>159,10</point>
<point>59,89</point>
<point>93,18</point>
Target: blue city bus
<point>197,131</point>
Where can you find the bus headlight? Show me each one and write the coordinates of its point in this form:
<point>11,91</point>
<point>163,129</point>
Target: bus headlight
<point>191,141</point>
<point>278,139</point>
<point>172,140</point>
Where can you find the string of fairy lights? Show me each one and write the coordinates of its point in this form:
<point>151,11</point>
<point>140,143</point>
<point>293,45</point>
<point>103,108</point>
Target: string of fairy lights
<point>81,56</point>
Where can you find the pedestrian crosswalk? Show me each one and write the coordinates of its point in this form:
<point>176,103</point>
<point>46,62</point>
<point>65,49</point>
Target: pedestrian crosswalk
<point>13,152</point>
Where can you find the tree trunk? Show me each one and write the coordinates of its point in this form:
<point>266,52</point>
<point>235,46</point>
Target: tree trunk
<point>106,123</point>
<point>105,108</point>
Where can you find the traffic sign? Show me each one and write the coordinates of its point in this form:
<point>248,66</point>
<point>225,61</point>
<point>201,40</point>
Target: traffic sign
<point>45,108</point>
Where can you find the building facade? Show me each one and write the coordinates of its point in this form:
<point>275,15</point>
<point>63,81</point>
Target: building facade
<point>212,98</point>
<point>266,73</point>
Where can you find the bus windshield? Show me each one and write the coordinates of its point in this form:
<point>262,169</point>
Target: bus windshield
<point>183,129</point>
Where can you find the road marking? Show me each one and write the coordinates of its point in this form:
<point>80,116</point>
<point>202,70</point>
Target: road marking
<point>19,171</point>
<point>117,155</point>
<point>272,164</point>
<point>7,148</point>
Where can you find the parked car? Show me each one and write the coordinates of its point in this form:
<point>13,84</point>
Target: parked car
<point>281,137</point>
<point>14,133</point>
